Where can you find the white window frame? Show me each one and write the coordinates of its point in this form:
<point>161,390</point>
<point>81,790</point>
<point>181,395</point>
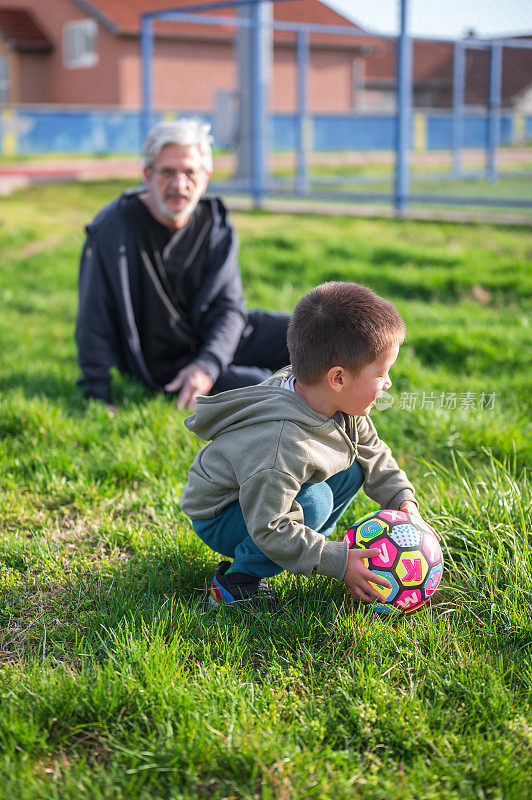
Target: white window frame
<point>80,43</point>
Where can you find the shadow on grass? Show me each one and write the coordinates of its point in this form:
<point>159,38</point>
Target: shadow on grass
<point>163,596</point>
<point>40,384</point>
<point>63,389</point>
<point>157,593</point>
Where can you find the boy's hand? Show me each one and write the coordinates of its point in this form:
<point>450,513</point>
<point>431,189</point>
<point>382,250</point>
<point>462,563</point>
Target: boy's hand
<point>357,576</point>
<point>410,508</point>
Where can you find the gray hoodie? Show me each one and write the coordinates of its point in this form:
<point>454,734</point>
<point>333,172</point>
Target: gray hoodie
<point>264,443</point>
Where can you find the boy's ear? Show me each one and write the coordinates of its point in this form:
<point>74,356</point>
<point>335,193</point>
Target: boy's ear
<point>336,379</point>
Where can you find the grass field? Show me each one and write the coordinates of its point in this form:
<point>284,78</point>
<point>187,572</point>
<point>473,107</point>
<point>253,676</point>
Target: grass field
<point>513,185</point>
<point>117,682</point>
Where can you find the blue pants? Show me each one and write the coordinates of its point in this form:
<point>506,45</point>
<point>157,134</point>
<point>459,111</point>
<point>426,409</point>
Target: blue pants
<point>323,504</point>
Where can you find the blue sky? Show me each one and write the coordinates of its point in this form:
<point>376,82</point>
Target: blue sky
<point>441,18</point>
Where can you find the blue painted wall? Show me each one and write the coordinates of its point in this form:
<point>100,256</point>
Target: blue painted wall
<point>475,131</point>
<point>78,132</point>
<point>87,132</point>
<point>117,131</point>
<point>350,132</point>
<point>337,132</point>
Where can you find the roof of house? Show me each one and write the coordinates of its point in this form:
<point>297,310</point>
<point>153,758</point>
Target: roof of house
<point>124,17</point>
<point>20,30</point>
<point>432,61</point>
<point>433,67</point>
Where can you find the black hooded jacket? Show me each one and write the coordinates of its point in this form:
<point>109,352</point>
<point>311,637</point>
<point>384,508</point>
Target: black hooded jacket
<point>110,298</point>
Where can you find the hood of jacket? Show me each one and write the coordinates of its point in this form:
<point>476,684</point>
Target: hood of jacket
<point>252,405</point>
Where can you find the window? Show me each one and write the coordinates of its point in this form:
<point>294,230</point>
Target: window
<point>79,43</point>
<point>4,79</point>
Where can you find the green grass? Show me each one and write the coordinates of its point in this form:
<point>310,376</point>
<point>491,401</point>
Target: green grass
<point>477,191</point>
<point>428,177</point>
<point>116,681</point>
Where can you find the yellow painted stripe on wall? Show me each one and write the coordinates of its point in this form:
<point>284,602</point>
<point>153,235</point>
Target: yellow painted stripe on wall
<point>519,123</point>
<point>420,132</point>
<point>9,136</point>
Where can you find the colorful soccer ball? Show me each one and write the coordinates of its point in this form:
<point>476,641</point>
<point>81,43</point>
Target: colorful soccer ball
<point>411,558</point>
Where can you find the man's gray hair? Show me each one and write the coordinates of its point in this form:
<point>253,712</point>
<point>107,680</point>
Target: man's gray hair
<point>185,131</point>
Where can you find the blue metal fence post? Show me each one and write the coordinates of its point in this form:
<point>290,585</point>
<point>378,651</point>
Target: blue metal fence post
<point>146,60</point>
<point>457,131</point>
<point>404,114</point>
<point>303,121</point>
<point>494,123</point>
<point>260,69</point>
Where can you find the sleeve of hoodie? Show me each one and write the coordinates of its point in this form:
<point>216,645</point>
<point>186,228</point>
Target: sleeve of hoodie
<point>384,481</point>
<point>222,310</point>
<point>276,524</point>
<point>96,335</point>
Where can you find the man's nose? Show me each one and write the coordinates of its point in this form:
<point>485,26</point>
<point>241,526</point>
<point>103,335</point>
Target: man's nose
<point>387,382</point>
<point>179,179</point>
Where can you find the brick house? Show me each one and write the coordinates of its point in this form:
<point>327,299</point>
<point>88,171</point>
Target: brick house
<point>433,76</point>
<point>87,53</point>
<point>24,51</point>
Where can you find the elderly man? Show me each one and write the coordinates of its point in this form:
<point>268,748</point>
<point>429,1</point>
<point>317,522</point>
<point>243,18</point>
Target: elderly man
<point>160,295</point>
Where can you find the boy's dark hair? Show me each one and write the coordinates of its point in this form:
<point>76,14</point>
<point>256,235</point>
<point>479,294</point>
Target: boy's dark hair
<point>340,323</point>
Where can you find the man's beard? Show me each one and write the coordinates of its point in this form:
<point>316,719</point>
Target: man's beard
<point>180,216</point>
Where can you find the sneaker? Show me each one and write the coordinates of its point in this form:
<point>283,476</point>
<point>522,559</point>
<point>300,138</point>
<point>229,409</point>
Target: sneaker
<point>239,589</point>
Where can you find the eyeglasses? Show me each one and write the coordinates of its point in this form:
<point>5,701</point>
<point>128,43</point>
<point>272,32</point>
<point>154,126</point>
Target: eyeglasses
<point>170,174</point>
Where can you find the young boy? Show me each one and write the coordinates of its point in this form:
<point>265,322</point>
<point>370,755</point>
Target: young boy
<point>286,457</point>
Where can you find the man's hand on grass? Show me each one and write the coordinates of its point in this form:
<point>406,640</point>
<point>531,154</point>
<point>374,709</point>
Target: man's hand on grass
<point>190,382</point>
